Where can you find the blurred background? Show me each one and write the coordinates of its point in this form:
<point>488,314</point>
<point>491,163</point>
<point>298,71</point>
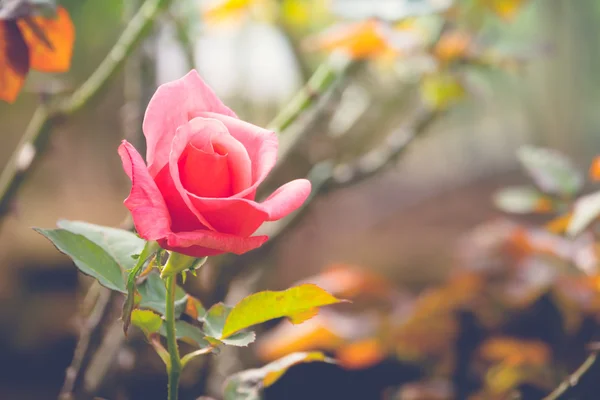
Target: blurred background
<point>407,145</point>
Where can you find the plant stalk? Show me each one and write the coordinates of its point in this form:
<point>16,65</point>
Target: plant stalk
<point>174,368</point>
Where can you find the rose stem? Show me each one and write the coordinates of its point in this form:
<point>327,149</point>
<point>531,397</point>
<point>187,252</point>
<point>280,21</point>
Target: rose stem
<point>174,367</point>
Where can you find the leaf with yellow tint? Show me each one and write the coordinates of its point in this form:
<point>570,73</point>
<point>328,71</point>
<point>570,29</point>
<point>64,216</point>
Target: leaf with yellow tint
<point>440,90</point>
<point>505,9</point>
<point>248,384</point>
<point>297,303</point>
<point>148,321</point>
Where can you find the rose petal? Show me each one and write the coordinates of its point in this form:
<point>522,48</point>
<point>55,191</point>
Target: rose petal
<point>231,215</point>
<point>173,105</point>
<point>206,243</point>
<point>261,145</point>
<point>286,199</point>
<point>198,129</point>
<point>145,202</point>
<point>238,160</point>
<point>182,217</point>
<point>243,217</point>
<point>203,173</point>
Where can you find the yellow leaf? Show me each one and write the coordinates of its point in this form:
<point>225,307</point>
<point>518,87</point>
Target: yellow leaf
<point>505,9</point>
<point>441,90</point>
<point>296,302</point>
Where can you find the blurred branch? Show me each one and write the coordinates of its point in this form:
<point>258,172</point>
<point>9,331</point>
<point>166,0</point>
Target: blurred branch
<point>47,115</point>
<point>182,30</point>
<point>318,84</point>
<point>89,341</point>
<point>568,389</point>
<point>394,145</point>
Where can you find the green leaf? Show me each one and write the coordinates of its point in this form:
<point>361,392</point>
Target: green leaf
<point>149,249</point>
<point>551,171</point>
<point>120,244</point>
<point>441,90</point>
<point>585,211</point>
<point>298,304</point>
<point>214,321</point>
<point>247,385</point>
<point>90,258</point>
<point>154,292</point>
<point>147,321</point>
<point>521,200</point>
<point>185,330</point>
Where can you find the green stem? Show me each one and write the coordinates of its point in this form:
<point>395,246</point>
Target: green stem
<point>174,368</point>
<point>322,79</point>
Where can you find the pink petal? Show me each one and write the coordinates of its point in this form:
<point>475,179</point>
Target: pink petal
<point>145,202</point>
<point>204,243</point>
<point>203,173</point>
<point>243,217</point>
<point>286,199</point>
<point>197,129</point>
<point>261,145</point>
<point>230,215</point>
<point>173,105</point>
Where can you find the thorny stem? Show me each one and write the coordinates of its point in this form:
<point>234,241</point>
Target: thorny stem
<point>174,367</point>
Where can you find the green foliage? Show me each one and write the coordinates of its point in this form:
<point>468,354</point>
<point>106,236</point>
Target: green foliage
<point>520,199</point>
<point>147,321</point>
<point>118,243</point>
<point>585,211</point>
<point>185,330</point>
<point>214,322</point>
<point>90,258</point>
<point>298,304</point>
<point>551,171</point>
<point>149,250</point>
<point>153,293</point>
<point>247,385</point>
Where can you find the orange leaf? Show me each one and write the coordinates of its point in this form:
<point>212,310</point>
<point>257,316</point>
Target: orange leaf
<point>358,40</point>
<point>315,334</point>
<point>14,61</point>
<point>515,351</point>
<point>362,354</point>
<point>595,169</point>
<point>559,224</point>
<point>350,282</point>
<point>452,46</point>
<point>60,33</point>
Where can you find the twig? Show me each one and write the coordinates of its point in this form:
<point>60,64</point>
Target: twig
<point>90,339</point>
<point>390,149</point>
<point>318,84</point>
<point>569,388</point>
<point>46,116</point>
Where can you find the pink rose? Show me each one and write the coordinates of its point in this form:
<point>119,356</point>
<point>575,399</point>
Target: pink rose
<point>196,196</point>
